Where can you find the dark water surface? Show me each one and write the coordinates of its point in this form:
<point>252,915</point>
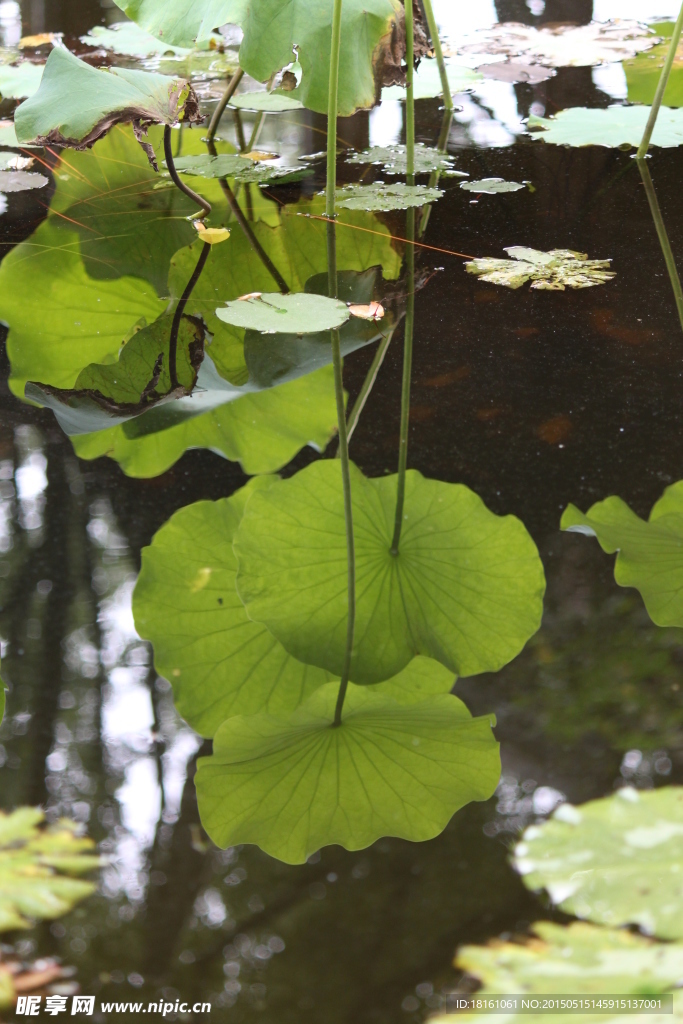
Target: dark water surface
<point>533,400</point>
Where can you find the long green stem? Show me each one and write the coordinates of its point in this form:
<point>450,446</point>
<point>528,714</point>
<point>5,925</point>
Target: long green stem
<point>180,309</point>
<point>438,52</point>
<point>663,236</point>
<point>168,153</point>
<point>223,102</point>
<point>405,390</point>
<point>336,354</point>
<point>368,385</point>
<point>410,92</point>
<point>661,87</point>
<point>435,176</point>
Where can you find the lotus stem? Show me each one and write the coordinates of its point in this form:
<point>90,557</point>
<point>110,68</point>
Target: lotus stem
<point>662,234</point>
<point>410,92</point>
<point>435,176</point>
<point>438,52</point>
<point>661,87</point>
<point>368,385</point>
<point>178,315</point>
<point>168,153</point>
<point>405,390</point>
<point>333,103</point>
<point>223,102</point>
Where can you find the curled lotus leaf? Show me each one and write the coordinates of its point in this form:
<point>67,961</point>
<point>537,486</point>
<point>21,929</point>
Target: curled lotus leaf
<point>57,115</point>
<point>614,861</point>
<point>393,160</point>
<point>615,126</point>
<point>552,271</point>
<point>563,45</point>
<point>386,197</point>
<point>39,868</point>
<point>291,784</point>
<point>491,186</point>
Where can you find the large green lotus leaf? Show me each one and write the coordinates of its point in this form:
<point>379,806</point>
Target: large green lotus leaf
<point>466,588</point>
<point>643,72</point>
<point>183,22</point>
<point>615,126</point>
<point>263,431</point>
<point>77,104</point>
<point>614,861</point>
<point>575,960</point>
<point>128,39</point>
<point>296,313</point>
<point>650,554</point>
<point>293,784</point>
<point>19,80</point>
<point>60,318</point>
<point>219,662</point>
<point>421,678</point>
<point>37,866</point>
<point>427,81</point>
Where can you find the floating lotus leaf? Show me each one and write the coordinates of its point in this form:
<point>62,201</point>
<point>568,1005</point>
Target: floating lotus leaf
<point>394,161</point>
<point>564,45</point>
<point>517,71</point>
<point>37,866</point>
<point>650,553</point>
<point>552,271</point>
<point>21,181</point>
<point>386,197</point>
<point>643,72</point>
<point>292,784</point>
<point>615,126</point>
<point>274,29</point>
<point>578,959</point>
<point>614,861</point>
<point>8,135</point>
<point>231,165</point>
<point>20,80</point>
<point>270,102</point>
<point>491,186</point>
<point>427,81</point>
<point>128,39</point>
<point>297,313</point>
<point>466,588</point>
<point>57,115</point>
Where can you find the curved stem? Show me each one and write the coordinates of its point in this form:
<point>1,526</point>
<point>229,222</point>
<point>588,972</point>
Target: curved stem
<point>662,235</point>
<point>223,102</point>
<point>333,102</point>
<point>438,52</point>
<point>661,87</point>
<point>405,390</point>
<point>168,153</point>
<point>368,385</point>
<point>178,315</point>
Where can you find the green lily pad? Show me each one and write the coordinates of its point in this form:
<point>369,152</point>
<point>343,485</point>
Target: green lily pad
<point>292,784</point>
<point>552,271</point>
<point>386,197</point>
<point>128,39</point>
<point>491,186</point>
<point>393,160</point>
<point>272,31</point>
<point>578,959</point>
<point>615,126</point>
<point>37,868</point>
<point>421,678</point>
<point>650,554</point>
<point>427,81</point>
<point>57,115</point>
<point>466,588</point>
<point>20,80</point>
<point>270,102</point>
<point>614,861</point>
<point>21,181</point>
<point>231,165</point>
<point>273,313</point>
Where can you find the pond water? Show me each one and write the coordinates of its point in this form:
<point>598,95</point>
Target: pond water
<point>532,399</point>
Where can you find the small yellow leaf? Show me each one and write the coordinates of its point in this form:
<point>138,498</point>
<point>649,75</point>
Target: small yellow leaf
<point>212,236</point>
<point>256,155</point>
<point>42,39</point>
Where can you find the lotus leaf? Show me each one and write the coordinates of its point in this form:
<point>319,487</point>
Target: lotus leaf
<point>58,115</point>
<point>291,784</point>
<point>394,161</point>
<point>20,80</point>
<point>8,135</point>
<point>552,271</point>
<point>270,102</point>
<point>273,313</point>
<point>517,71</point>
<point>491,186</point>
<point>386,197</point>
<point>643,72</point>
<point>231,165</point>
<point>564,45</point>
<point>614,861</point>
<point>466,588</point>
<point>274,29</point>
<point>37,866</point>
<point>650,553</point>
<point>616,126</point>
<point>128,39</point>
<point>21,181</point>
<point>578,959</point>
<point>427,81</point>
